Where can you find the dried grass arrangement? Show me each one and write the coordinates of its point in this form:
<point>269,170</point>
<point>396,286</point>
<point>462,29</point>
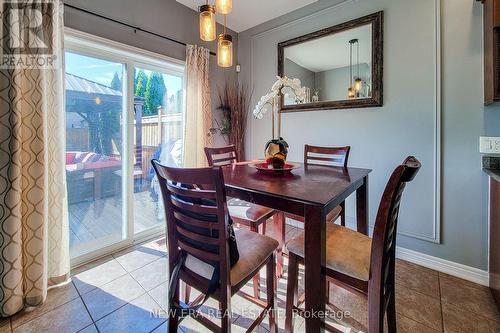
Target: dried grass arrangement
<point>234,102</point>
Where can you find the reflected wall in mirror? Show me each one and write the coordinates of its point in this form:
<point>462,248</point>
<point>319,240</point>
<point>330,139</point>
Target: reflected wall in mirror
<point>340,67</point>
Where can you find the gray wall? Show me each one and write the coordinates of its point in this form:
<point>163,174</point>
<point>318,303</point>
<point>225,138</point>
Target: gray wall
<point>382,137</point>
<point>333,84</point>
<point>306,76</point>
<point>168,18</point>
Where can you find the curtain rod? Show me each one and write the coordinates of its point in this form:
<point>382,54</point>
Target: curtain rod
<point>129,25</point>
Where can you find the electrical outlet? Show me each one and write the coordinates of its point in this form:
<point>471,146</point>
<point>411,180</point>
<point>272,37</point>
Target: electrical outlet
<point>489,145</point>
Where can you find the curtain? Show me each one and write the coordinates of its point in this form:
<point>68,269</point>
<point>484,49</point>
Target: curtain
<point>198,107</point>
<point>34,237</point>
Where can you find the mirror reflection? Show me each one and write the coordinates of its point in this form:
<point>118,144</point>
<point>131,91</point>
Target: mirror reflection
<point>332,68</point>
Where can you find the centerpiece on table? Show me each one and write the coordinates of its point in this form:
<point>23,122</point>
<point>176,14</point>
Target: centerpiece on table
<point>276,149</point>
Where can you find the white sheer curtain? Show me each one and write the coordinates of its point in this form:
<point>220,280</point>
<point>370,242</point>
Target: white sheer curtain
<point>198,107</point>
<point>34,237</point>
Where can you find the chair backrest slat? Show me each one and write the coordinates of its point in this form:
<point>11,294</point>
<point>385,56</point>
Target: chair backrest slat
<point>196,214</point>
<point>333,156</point>
<point>200,254</point>
<point>194,222</point>
<point>192,193</point>
<point>221,156</point>
<point>209,240</point>
<point>196,208</point>
<point>383,255</point>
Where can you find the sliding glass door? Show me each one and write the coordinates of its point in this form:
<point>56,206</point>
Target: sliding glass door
<point>124,107</point>
<point>94,151</point>
<point>159,127</point>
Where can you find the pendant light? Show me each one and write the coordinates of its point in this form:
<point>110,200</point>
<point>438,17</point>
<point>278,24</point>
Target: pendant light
<point>225,48</point>
<point>355,85</point>
<point>358,83</point>
<point>224,6</point>
<point>208,27</point>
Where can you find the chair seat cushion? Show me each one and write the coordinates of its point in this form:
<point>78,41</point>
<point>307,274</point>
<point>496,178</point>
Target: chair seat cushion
<point>254,250</point>
<point>244,212</point>
<point>330,217</point>
<point>347,251</point>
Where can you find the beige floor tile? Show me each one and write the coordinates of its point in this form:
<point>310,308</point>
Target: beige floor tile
<point>153,274</point>
<point>68,318</point>
<point>5,325</point>
<point>99,275</point>
<point>419,307</point>
<point>407,325</point>
<point>160,295</point>
<point>418,278</point>
<point>354,308</point>
<point>55,298</point>
<point>111,296</point>
<point>456,319</point>
<point>459,281</point>
<point>140,256</point>
<point>473,299</point>
<point>89,329</point>
<point>135,317</point>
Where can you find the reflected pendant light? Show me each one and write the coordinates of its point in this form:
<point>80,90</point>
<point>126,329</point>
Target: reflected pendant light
<point>358,83</point>
<point>354,85</point>
<point>208,27</point>
<point>225,48</point>
<point>224,6</point>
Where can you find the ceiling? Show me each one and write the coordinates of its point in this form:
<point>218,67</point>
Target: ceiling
<point>332,52</point>
<point>247,14</point>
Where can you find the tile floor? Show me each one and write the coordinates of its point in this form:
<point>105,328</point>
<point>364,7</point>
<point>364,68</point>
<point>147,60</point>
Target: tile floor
<point>118,293</point>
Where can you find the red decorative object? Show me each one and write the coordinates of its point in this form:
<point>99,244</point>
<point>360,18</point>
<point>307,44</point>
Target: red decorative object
<point>267,167</point>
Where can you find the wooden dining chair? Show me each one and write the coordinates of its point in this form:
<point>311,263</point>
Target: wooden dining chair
<point>246,213</point>
<point>187,215</point>
<point>330,156</point>
<point>358,263</point>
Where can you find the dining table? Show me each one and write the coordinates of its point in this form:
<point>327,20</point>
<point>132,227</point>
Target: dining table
<point>311,191</point>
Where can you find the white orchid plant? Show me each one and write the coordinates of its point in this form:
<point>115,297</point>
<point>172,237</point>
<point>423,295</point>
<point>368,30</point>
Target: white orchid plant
<point>283,85</point>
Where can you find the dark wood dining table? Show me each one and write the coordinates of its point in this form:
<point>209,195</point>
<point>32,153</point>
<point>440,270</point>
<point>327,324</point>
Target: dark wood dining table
<point>311,192</point>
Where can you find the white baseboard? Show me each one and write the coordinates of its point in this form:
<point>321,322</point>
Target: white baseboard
<point>441,265</point>
<point>444,266</point>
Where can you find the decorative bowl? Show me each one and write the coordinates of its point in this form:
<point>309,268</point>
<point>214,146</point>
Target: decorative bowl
<point>268,168</point>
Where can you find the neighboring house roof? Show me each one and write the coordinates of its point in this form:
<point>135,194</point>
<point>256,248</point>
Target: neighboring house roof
<point>79,84</point>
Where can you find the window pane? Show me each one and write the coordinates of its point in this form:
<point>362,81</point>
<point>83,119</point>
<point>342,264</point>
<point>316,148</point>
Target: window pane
<point>94,115</point>
<point>159,125</point>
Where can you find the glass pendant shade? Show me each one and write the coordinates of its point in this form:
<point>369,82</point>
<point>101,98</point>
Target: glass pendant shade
<point>208,26</point>
<point>350,93</point>
<point>224,6</point>
<point>358,84</point>
<point>225,50</point>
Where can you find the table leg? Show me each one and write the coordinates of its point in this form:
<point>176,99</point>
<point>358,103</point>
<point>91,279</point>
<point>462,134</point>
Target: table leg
<point>279,224</point>
<point>315,254</point>
<point>362,207</point>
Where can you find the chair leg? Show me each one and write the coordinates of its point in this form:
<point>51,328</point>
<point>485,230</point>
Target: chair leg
<point>375,313</point>
<point>187,292</point>
<point>271,293</point>
<point>391,313</point>
<point>256,278</point>
<point>279,223</point>
<point>173,316</point>
<point>291,291</point>
<point>226,321</point>
<point>342,214</point>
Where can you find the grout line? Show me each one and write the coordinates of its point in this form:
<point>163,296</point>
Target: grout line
<point>86,308</point>
<point>441,302</point>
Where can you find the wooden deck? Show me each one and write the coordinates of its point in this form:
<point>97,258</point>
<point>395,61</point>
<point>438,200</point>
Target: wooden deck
<point>93,220</point>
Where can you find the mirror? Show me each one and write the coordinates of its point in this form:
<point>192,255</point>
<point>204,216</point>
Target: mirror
<point>339,67</point>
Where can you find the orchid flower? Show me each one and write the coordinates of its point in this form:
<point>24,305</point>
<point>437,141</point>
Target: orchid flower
<point>278,87</point>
